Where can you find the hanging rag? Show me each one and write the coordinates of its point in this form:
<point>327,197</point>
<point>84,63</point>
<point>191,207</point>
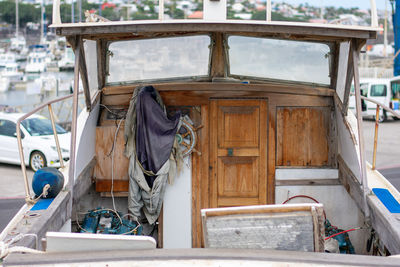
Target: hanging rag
<point>152,151</point>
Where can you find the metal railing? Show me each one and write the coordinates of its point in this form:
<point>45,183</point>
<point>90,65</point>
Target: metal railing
<point>19,139</point>
<point>378,105</point>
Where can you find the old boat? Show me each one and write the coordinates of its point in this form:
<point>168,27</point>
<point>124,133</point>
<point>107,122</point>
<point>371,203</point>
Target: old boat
<point>266,112</point>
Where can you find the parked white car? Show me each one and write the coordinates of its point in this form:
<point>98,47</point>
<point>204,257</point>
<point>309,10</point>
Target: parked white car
<point>37,141</point>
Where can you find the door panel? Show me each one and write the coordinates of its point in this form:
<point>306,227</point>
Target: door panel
<point>238,152</point>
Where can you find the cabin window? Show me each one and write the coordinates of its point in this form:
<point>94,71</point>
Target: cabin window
<point>91,64</point>
<point>161,58</point>
<point>279,59</point>
<point>378,90</point>
<point>342,69</point>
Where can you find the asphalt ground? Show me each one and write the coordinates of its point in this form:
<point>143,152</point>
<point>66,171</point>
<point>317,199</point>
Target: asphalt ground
<point>387,162</point>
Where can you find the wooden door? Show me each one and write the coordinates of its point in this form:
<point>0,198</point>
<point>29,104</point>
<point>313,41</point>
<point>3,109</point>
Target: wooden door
<point>238,140</point>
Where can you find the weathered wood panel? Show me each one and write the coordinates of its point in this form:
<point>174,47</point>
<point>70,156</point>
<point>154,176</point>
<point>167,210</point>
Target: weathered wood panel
<point>302,136</point>
<point>104,150</point>
<point>281,227</point>
<point>238,148</point>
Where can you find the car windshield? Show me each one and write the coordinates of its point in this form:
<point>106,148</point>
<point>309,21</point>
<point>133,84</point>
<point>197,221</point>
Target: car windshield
<point>41,126</point>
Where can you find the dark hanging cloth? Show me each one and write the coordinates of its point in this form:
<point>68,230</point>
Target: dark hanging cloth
<point>155,132</point>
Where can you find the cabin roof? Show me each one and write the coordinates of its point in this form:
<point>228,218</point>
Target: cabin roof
<point>126,29</point>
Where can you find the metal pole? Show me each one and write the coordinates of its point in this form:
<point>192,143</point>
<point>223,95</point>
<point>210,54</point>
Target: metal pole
<point>363,171</point>
<point>80,10</point>
<point>374,15</point>
<point>375,137</point>
<point>268,10</point>
<point>160,9</point>
<point>72,12</point>
<point>41,23</point>
<point>22,159</point>
<point>53,125</point>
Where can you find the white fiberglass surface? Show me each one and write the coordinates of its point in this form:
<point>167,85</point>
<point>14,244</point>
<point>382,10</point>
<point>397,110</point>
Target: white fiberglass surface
<point>160,58</point>
<point>279,59</point>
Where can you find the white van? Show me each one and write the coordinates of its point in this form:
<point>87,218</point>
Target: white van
<point>385,91</point>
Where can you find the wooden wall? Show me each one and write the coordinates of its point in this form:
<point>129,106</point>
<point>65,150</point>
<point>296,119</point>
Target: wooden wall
<point>103,169</point>
<point>299,125</point>
<point>302,136</point>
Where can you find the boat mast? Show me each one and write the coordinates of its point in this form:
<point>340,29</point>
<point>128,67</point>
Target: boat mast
<point>16,19</point>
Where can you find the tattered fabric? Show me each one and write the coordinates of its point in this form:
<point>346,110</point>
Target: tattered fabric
<point>150,139</point>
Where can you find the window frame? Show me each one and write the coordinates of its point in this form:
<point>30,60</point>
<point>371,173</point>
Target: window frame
<point>331,61</point>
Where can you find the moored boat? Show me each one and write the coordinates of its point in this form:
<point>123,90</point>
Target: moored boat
<point>231,114</point>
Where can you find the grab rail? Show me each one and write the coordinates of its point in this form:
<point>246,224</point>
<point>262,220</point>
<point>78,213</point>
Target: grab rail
<point>378,105</point>
<point>19,139</point>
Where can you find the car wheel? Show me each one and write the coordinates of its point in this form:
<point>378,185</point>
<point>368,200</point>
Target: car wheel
<point>37,161</point>
<point>382,117</point>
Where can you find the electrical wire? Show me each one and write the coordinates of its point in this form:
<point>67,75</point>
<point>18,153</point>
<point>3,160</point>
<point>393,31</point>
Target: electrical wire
<point>112,168</point>
<point>304,196</point>
<point>342,232</point>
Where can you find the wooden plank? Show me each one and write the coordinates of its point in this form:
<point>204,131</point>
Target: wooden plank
<point>218,56</point>
<point>349,81</point>
<point>303,30</point>
<point>279,208</point>
<point>101,63</point>
<point>308,182</point>
<point>105,185</point>
<point>213,153</point>
<point>225,86</point>
<point>193,98</point>
<point>104,148</point>
<point>271,153</point>
<point>302,137</point>
<point>263,176</point>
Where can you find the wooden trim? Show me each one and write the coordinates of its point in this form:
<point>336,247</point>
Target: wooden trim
<point>200,179</point>
<point>308,182</point>
<point>213,154</point>
<point>228,86</point>
<point>101,63</point>
<point>193,98</point>
<point>349,80</point>
<point>119,29</point>
<point>263,186</point>
<point>218,56</point>
<point>83,74</point>
<point>280,208</point>
<point>271,153</point>
<point>105,185</point>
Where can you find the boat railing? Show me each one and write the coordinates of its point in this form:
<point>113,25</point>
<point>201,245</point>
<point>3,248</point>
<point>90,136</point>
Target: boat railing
<point>48,104</point>
<point>378,107</point>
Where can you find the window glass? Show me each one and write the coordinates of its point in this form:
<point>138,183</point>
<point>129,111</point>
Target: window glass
<point>91,64</point>
<point>160,58</point>
<point>41,126</point>
<point>7,128</point>
<point>396,89</point>
<point>378,90</point>
<point>279,59</point>
<point>342,69</point>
